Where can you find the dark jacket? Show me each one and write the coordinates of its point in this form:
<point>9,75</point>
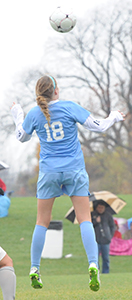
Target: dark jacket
<point>104,230</point>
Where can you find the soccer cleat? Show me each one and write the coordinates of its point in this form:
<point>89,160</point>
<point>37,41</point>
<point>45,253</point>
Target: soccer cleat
<point>36,281</point>
<point>94,282</point>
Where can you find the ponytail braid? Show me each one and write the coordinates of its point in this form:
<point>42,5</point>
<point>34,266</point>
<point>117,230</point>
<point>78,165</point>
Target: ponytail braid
<point>44,91</point>
<point>41,101</point>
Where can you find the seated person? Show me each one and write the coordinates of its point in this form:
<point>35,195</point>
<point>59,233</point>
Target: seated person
<point>4,204</point>
<point>117,233</point>
<point>2,185</point>
<point>128,233</point>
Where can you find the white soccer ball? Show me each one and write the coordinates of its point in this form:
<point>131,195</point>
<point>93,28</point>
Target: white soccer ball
<point>62,20</point>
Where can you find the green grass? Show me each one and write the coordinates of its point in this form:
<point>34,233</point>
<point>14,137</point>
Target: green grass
<point>72,287</point>
<point>63,278</point>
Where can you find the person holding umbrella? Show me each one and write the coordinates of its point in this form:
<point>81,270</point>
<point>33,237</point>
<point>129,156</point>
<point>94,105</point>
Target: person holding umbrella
<point>104,226</point>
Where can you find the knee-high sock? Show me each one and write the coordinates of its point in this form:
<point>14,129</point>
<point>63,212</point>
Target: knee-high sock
<point>89,241</point>
<point>37,245</point>
<point>8,283</point>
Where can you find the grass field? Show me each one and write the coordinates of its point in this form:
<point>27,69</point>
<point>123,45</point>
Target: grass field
<point>64,278</point>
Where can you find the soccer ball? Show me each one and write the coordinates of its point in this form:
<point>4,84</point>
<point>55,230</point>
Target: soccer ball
<point>62,20</point>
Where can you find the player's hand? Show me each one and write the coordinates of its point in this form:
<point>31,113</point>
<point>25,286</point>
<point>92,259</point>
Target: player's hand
<point>122,114</point>
<point>12,105</point>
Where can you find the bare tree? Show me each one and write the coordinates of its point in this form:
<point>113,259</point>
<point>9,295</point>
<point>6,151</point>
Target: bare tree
<point>97,64</point>
<point>93,65</point>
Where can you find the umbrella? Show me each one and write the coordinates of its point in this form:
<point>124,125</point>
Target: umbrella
<point>3,165</point>
<point>71,216</point>
<point>112,202</point>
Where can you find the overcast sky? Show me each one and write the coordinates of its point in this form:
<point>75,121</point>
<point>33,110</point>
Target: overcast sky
<point>24,28</point>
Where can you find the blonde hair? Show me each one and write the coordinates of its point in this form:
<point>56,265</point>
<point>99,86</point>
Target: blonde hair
<point>44,92</point>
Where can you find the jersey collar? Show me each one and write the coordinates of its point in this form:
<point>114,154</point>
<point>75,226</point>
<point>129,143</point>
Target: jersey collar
<point>53,102</point>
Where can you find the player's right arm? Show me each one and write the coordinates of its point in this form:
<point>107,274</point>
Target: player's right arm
<point>102,125</point>
<point>18,117</point>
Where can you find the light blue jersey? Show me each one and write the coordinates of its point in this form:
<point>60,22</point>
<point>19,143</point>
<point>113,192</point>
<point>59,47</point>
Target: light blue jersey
<point>59,143</point>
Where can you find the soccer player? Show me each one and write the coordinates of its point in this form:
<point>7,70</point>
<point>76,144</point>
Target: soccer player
<point>61,166</point>
<point>7,276</point>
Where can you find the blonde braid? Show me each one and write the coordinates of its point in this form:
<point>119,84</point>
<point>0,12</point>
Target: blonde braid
<point>44,93</point>
<point>42,102</point>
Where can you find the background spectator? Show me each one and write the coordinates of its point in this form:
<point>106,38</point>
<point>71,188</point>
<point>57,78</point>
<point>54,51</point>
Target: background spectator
<point>117,233</point>
<point>104,229</point>
<point>4,204</point>
<point>2,185</point>
<point>7,276</point>
<point>128,233</point>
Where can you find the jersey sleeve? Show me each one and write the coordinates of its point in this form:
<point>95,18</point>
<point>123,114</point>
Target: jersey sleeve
<point>28,124</point>
<point>102,125</point>
<point>79,113</point>
<point>18,117</point>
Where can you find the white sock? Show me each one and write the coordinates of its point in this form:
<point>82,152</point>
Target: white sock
<point>8,283</point>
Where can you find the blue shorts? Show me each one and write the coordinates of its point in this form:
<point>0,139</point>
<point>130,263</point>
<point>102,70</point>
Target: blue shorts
<point>71,183</point>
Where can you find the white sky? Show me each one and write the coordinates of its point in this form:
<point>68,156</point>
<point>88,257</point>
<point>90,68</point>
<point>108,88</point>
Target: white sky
<point>24,28</point>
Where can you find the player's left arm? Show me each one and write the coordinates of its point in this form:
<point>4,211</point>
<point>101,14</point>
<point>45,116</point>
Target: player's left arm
<point>102,125</point>
<point>18,117</point>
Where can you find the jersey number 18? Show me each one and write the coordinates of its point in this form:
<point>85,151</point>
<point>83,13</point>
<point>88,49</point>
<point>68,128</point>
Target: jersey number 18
<point>57,131</point>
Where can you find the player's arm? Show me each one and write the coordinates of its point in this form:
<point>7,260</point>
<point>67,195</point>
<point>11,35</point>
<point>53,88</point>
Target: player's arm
<point>102,125</point>
<point>18,117</point>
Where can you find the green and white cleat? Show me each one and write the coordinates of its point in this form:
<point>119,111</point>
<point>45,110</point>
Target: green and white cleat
<point>36,281</point>
<point>94,282</point>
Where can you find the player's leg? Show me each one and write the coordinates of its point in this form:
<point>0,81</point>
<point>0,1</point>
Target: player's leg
<point>76,185</point>
<point>7,276</point>
<point>82,211</point>
<point>6,260</point>
<point>48,187</point>
<point>44,210</point>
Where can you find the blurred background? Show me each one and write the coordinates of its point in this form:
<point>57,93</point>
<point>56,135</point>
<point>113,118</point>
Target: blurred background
<point>93,67</point>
